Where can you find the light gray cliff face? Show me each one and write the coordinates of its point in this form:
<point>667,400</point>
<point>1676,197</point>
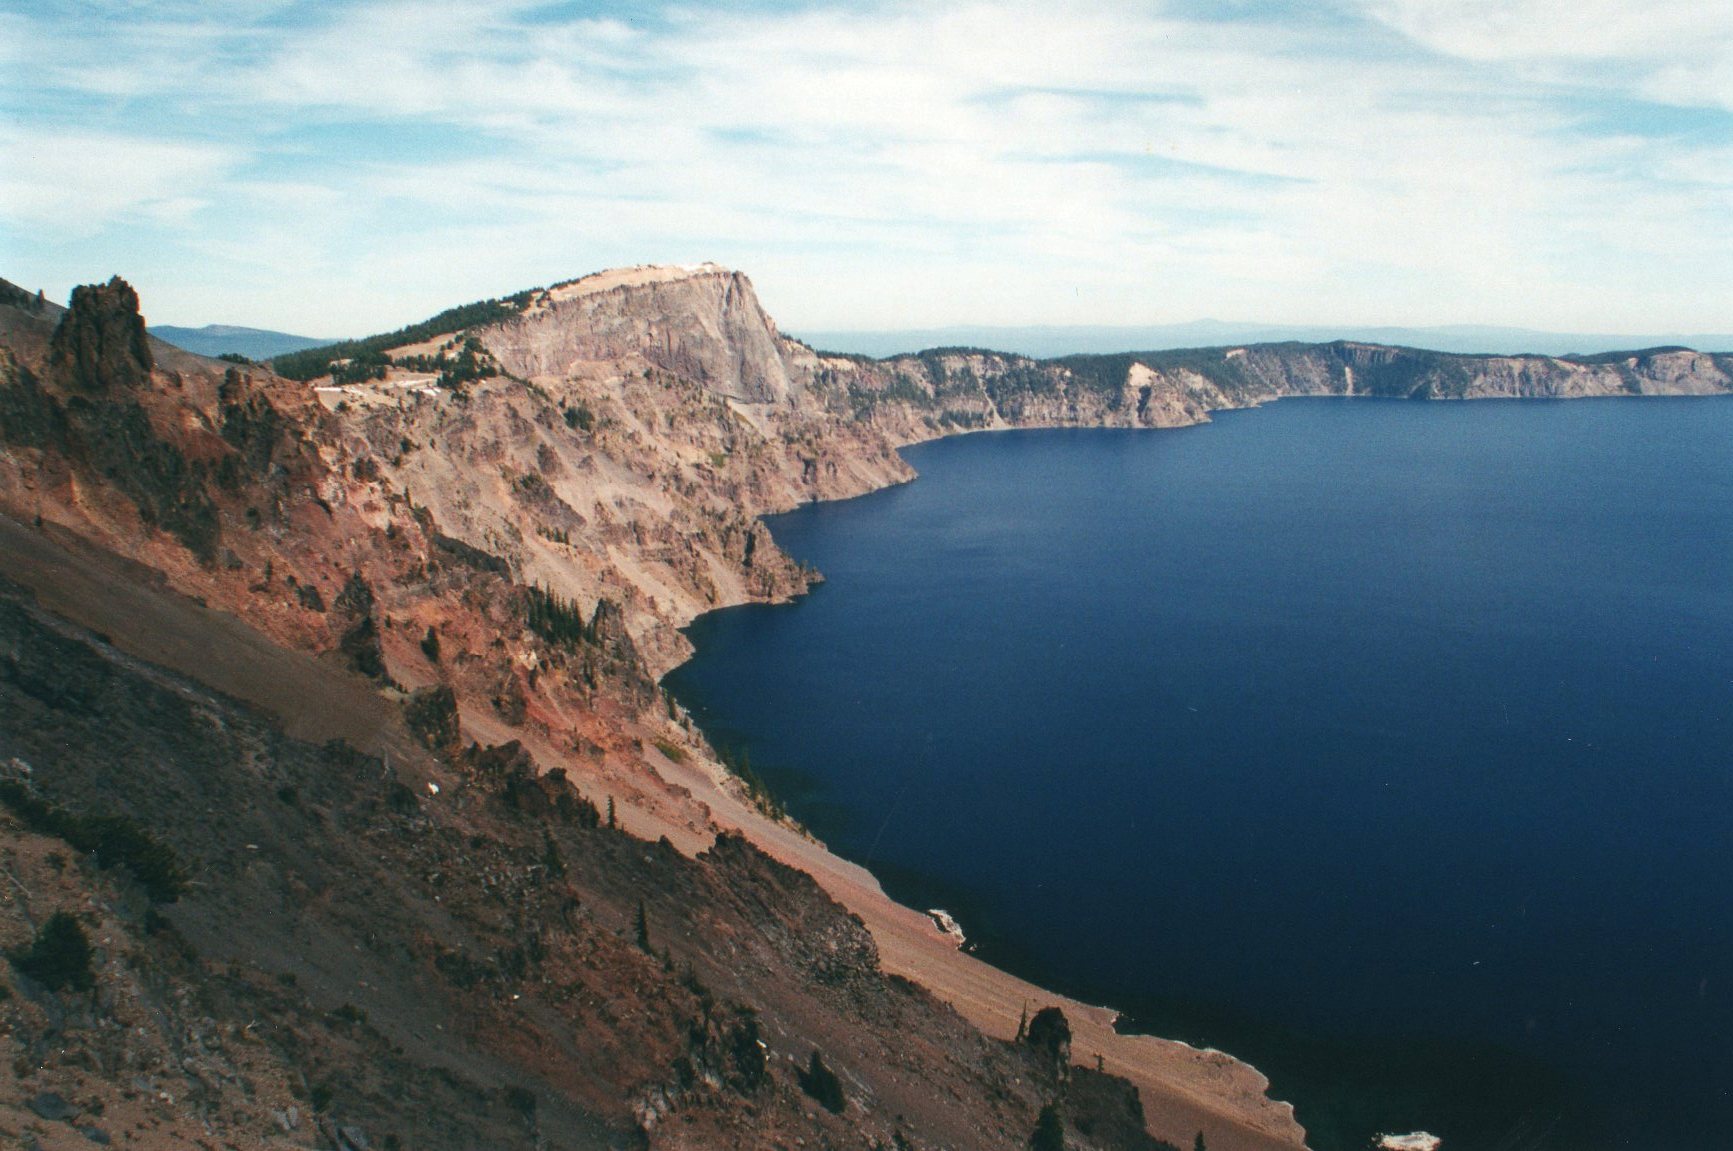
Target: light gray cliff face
<point>706,327</point>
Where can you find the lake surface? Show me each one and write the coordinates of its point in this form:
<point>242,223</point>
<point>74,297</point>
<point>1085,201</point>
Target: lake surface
<point>1387,745</point>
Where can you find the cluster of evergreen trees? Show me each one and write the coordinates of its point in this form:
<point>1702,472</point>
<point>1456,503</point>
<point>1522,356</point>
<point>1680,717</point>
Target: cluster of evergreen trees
<point>557,619</point>
<point>369,364</point>
<point>820,1082</point>
<point>472,362</point>
<point>902,388</point>
<point>19,298</point>
<point>59,956</point>
<point>112,840</point>
<point>759,791</point>
<point>315,362</point>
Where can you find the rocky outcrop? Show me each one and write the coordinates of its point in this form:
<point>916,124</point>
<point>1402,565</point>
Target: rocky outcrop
<point>101,343</point>
<point>702,324</point>
<point>96,410</point>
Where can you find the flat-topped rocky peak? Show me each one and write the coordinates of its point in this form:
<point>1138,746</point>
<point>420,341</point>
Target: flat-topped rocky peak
<point>702,322</point>
<point>637,276</point>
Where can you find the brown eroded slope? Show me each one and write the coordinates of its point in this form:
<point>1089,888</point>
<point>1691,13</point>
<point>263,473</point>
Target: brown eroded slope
<point>438,953</point>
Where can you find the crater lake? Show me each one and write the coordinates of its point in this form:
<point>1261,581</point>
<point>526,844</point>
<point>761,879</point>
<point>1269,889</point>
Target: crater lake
<point>1386,745</point>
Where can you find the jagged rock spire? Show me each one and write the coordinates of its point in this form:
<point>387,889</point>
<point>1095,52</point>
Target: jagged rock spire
<point>101,343</point>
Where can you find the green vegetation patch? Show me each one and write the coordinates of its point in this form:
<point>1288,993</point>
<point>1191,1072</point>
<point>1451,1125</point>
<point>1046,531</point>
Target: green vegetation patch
<point>555,618</point>
<point>315,362</point>
<point>114,840</point>
<point>756,789</point>
<point>59,956</point>
<point>901,389</point>
<point>471,363</point>
<point>820,1082</point>
<point>1641,355</point>
<point>11,294</point>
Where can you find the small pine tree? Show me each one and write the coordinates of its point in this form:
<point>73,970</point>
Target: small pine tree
<point>551,860</point>
<point>1198,1143</point>
<point>820,1082</point>
<point>641,928</point>
<point>1049,1130</point>
<point>59,956</point>
<point>430,645</point>
<point>1023,1023</point>
<point>610,813</point>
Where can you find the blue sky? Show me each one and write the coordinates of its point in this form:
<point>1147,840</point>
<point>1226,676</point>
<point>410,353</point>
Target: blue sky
<point>340,168</point>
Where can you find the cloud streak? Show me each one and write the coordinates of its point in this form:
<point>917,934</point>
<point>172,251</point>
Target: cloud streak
<point>1394,161</point>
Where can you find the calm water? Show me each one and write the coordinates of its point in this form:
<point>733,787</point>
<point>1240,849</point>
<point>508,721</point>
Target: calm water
<point>1388,745</point>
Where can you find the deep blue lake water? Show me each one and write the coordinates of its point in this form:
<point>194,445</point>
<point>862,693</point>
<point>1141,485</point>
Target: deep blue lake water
<point>1387,745</point>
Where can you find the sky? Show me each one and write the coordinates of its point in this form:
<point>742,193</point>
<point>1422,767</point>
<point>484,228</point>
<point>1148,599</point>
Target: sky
<point>333,169</point>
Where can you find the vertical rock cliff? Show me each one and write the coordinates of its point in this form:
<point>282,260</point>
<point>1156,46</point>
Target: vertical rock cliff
<point>702,324</point>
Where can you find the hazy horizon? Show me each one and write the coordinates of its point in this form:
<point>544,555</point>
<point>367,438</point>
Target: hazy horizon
<point>1046,341</point>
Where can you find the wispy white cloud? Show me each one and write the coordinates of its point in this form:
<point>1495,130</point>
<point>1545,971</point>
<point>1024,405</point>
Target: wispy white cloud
<point>78,183</point>
<point>1397,161</point>
<point>1609,30</point>
<point>1674,51</point>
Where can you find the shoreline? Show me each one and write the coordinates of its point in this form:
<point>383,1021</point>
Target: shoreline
<point>912,944</point>
<point>1184,1089</point>
<point>1219,1095</point>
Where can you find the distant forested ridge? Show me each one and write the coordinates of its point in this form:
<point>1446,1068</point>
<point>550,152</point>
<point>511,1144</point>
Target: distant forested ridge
<point>216,340</point>
<point>314,362</point>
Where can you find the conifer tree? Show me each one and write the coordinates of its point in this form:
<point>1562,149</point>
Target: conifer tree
<point>820,1082</point>
<point>1049,1130</point>
<point>551,859</point>
<point>59,956</point>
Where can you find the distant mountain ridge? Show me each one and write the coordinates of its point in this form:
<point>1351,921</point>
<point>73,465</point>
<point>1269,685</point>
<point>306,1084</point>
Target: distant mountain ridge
<point>1045,341</point>
<point>229,339</point>
<point>1050,341</point>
